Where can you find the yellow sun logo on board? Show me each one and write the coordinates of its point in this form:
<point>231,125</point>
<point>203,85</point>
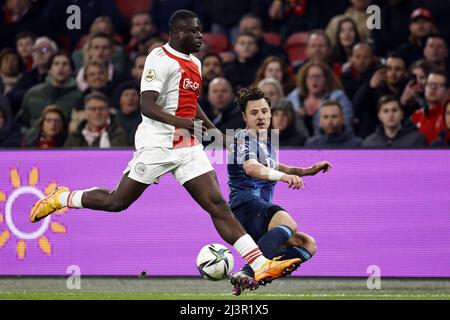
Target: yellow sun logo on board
<point>6,216</point>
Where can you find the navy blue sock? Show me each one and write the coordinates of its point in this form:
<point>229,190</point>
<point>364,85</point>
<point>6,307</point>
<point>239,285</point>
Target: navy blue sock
<point>294,252</point>
<point>271,241</point>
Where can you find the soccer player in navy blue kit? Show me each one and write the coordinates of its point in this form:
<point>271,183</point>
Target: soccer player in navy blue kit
<point>253,171</point>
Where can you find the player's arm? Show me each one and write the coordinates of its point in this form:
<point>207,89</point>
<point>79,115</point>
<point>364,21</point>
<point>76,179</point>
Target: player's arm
<point>256,170</point>
<point>323,166</point>
<point>152,110</point>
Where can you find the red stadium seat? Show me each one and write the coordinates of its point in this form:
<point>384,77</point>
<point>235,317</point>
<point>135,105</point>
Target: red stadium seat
<point>272,38</point>
<point>129,7</point>
<point>296,46</point>
<point>216,41</point>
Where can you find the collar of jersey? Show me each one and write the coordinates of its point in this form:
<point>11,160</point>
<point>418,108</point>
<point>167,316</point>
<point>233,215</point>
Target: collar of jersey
<point>176,53</point>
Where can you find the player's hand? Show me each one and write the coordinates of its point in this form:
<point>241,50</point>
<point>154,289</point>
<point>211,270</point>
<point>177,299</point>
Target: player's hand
<point>293,181</point>
<point>323,166</point>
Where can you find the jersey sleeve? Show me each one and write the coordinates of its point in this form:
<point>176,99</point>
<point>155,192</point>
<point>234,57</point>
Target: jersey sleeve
<point>156,71</point>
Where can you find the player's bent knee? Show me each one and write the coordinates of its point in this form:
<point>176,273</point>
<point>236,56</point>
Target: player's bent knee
<point>311,245</point>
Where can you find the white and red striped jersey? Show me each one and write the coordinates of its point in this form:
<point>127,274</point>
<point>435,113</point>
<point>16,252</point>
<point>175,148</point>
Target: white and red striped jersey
<point>177,78</point>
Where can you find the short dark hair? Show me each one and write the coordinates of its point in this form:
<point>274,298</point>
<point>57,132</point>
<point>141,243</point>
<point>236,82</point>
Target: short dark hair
<point>436,35</point>
<point>440,72</point>
<point>58,54</point>
<point>386,99</point>
<point>101,35</point>
<point>247,34</point>
<point>97,96</point>
<point>330,103</point>
<point>178,16</point>
<point>247,94</point>
<point>212,54</point>
<point>26,34</point>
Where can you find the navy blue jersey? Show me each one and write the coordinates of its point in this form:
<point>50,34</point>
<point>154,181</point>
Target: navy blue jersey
<point>244,188</point>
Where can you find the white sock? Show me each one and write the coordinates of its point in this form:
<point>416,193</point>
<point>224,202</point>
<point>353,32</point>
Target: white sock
<point>74,199</point>
<point>250,252</point>
<point>63,198</point>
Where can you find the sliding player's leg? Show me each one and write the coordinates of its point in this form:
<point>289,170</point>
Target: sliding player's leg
<point>205,190</point>
<point>127,191</point>
<point>301,245</point>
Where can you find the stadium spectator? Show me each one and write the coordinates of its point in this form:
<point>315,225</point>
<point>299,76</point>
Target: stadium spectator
<point>318,48</point>
<point>10,65</point>
<point>137,68</point>
<point>153,43</point>
<point>420,27</point>
<point>20,15</point>
<point>284,120</point>
<point>357,12</point>
<point>103,24</point>
<point>100,47</point>
<point>436,51</point>
<point>50,130</point>
<point>388,79</point>
<point>274,67</point>
<point>221,109</point>
<point>129,112</point>
<point>359,69</point>
<point>317,83</point>
<point>443,139</point>
<point>241,72</point>
<point>59,88</point>
<point>413,96</point>
<point>212,67</point>
<point>100,129</point>
<point>142,29</point>
<point>271,88</point>
<point>345,38</point>
<point>429,119</point>
<point>43,49</point>
<point>253,24</point>
<point>393,131</point>
<point>9,130</point>
<point>24,46</point>
<point>96,77</point>
<point>332,129</point>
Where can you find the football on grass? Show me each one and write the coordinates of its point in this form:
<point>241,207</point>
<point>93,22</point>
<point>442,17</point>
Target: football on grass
<point>215,261</point>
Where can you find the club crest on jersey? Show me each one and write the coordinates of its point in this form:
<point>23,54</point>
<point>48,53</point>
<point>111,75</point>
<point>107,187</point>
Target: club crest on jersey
<point>140,168</point>
<point>150,75</point>
<point>189,84</point>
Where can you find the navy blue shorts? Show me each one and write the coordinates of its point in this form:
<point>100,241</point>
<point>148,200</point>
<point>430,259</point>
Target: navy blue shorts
<point>255,216</point>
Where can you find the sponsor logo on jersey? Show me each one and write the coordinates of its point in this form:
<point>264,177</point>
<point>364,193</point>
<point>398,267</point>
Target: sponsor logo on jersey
<point>189,84</point>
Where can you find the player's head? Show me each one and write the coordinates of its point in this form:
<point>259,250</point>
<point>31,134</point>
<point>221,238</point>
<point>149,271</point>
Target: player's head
<point>185,31</point>
<point>255,107</point>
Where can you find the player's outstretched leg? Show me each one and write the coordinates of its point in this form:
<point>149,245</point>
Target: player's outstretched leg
<point>116,200</point>
<point>205,191</point>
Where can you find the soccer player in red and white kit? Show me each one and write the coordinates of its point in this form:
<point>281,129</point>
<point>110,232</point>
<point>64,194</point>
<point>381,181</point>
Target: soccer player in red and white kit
<point>170,87</point>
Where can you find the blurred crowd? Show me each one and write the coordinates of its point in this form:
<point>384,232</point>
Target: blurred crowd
<point>332,81</point>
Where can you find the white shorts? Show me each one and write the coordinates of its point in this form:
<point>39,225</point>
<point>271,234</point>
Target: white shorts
<point>149,164</point>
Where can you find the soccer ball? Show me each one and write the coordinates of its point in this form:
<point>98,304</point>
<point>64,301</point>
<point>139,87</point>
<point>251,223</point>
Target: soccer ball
<point>214,261</point>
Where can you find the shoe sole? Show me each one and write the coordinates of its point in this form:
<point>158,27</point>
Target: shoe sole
<point>239,285</point>
<point>285,272</point>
